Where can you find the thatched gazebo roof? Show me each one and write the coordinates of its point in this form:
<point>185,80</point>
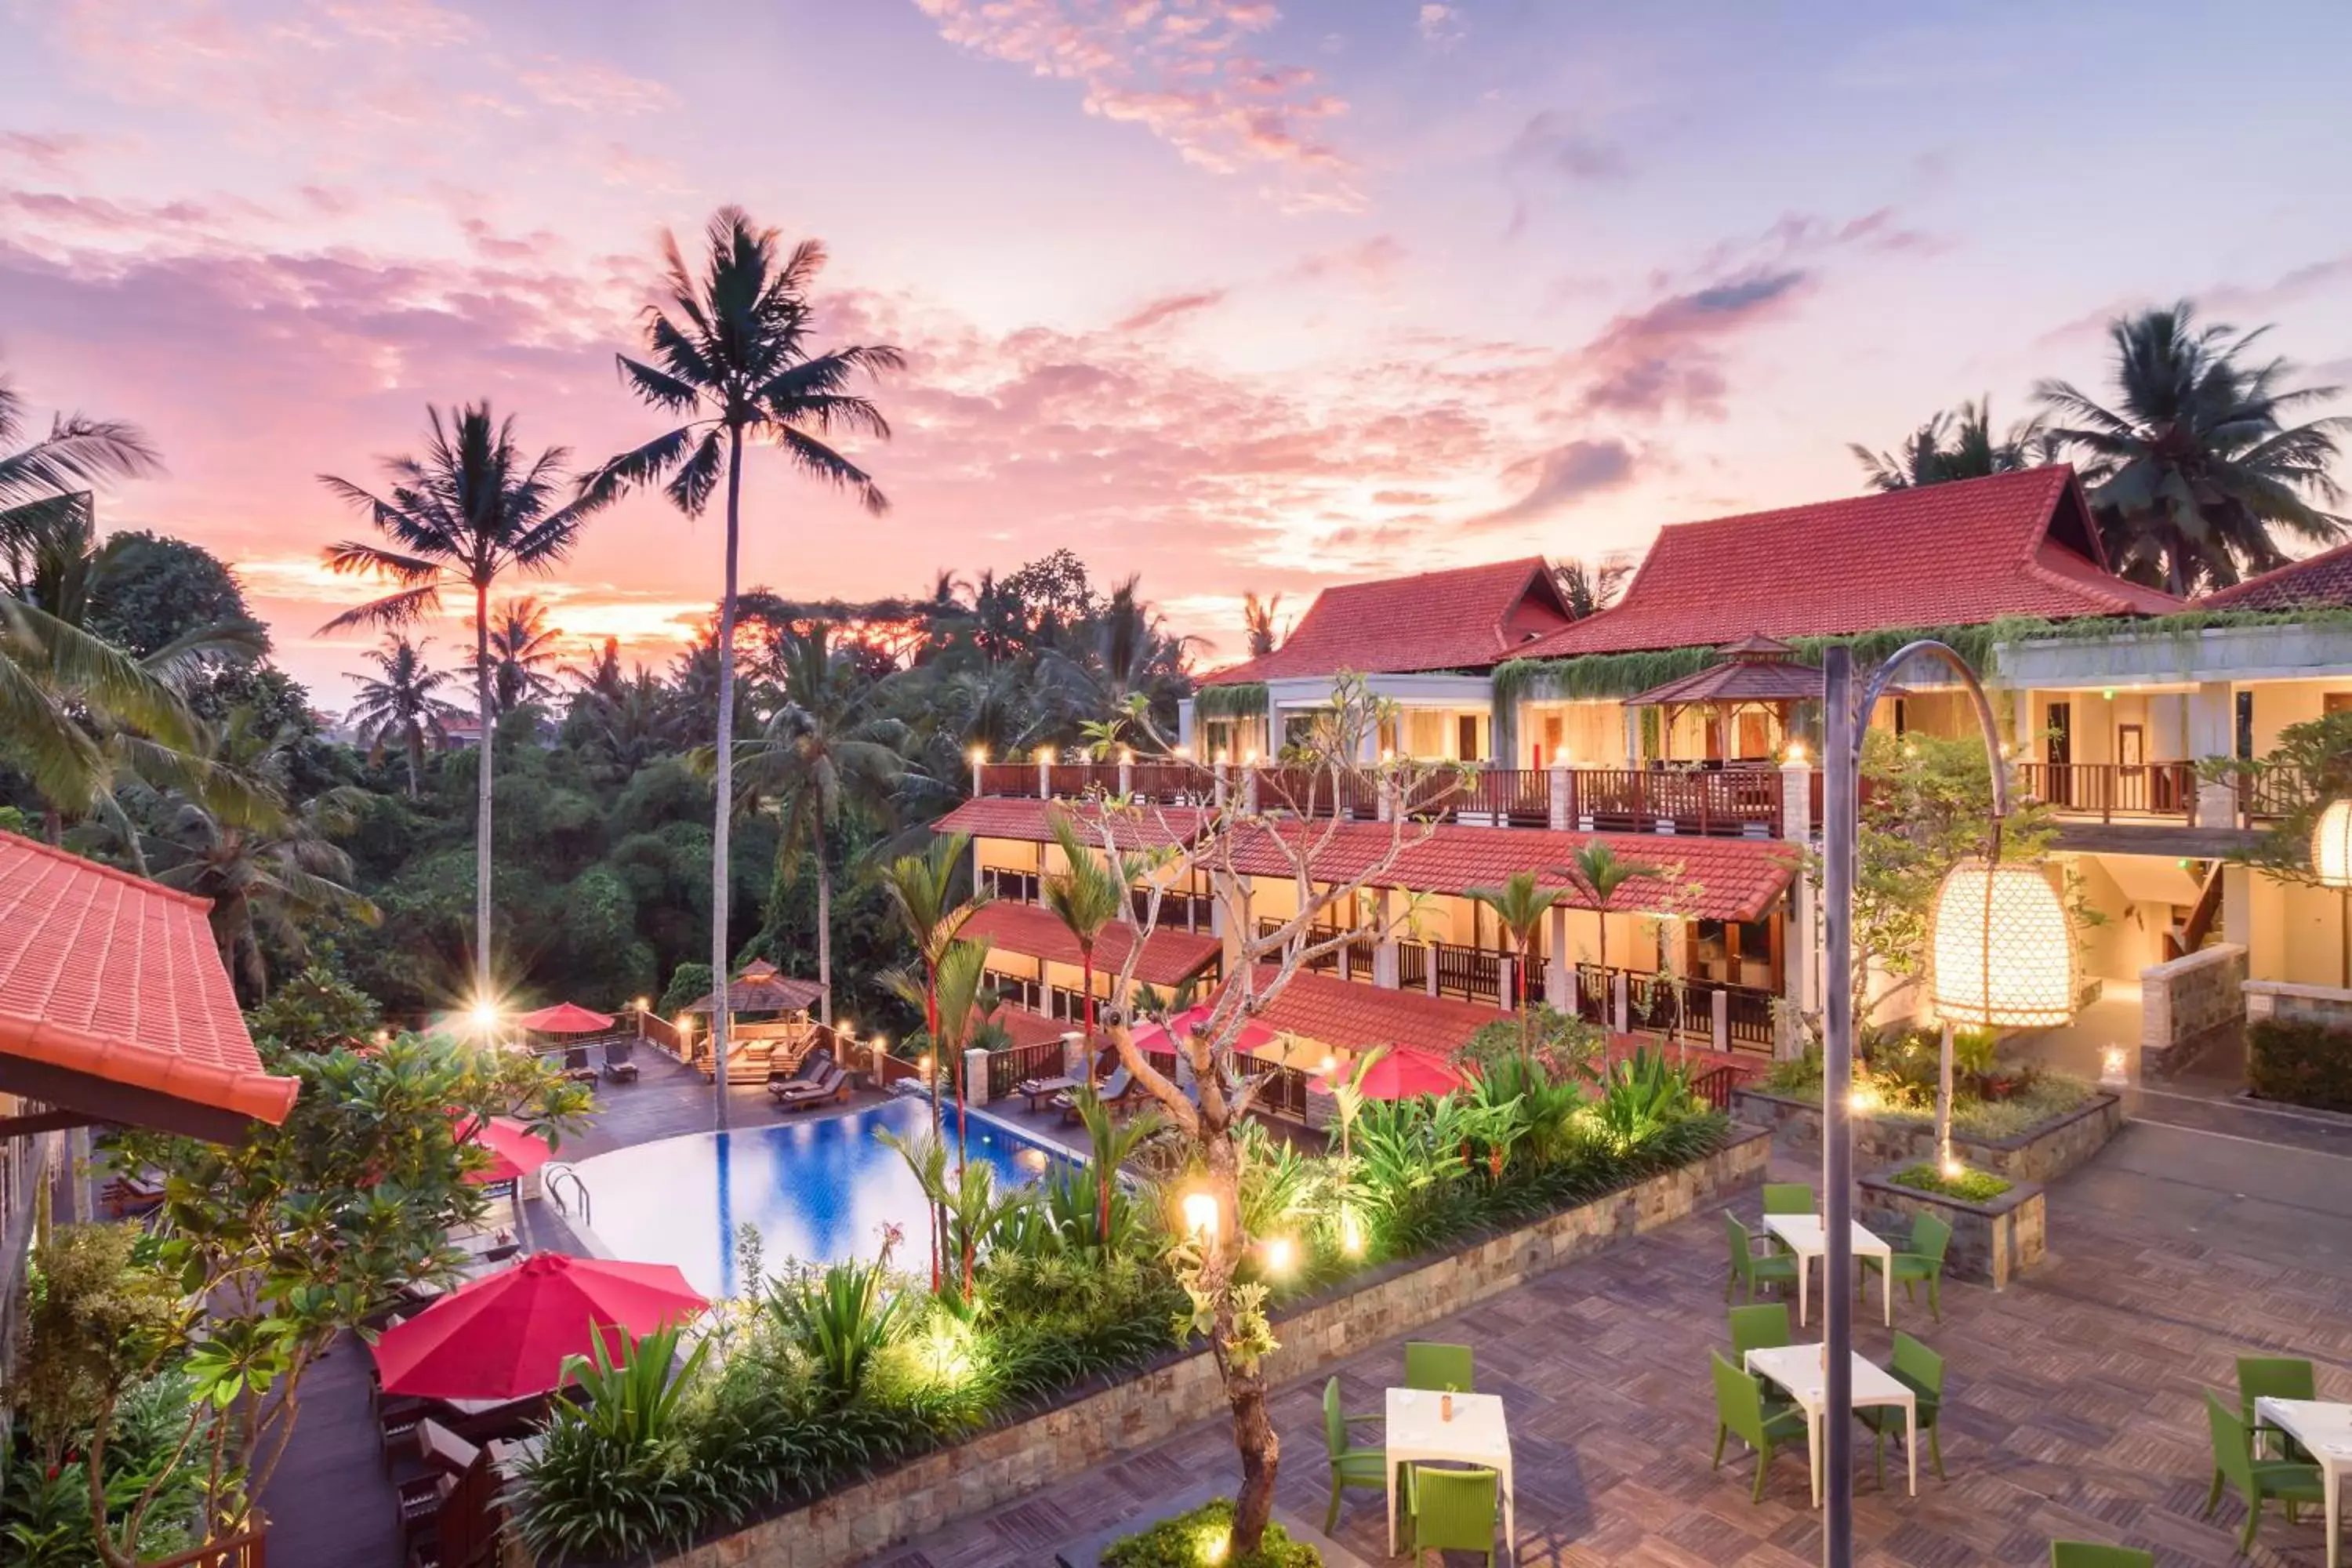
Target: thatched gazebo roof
<point>761,989</point>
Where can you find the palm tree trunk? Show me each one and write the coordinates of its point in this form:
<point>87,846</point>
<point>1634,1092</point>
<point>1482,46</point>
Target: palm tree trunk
<point>824,929</point>
<point>939,1210</point>
<point>482,794</point>
<point>1086,1009</point>
<point>724,812</point>
<point>415,750</point>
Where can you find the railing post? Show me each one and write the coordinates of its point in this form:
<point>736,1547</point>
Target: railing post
<point>1127,772</point>
<point>1217,785</point>
<point>1722,1020</point>
<point>1507,989</point>
<point>978,766</point>
<point>1045,774</point>
<point>1562,786</point>
<point>1620,999</point>
<point>1249,789</point>
<point>975,1076</point>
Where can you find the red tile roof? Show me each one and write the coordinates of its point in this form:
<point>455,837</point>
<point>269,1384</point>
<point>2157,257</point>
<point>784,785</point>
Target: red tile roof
<point>1466,618</point>
<point>1169,957</point>
<point>1952,554</point>
<point>1023,1027</point>
<point>1022,818</point>
<point>1709,879</point>
<point>108,979</point>
<point>1352,1015</point>
<point>2321,580</point>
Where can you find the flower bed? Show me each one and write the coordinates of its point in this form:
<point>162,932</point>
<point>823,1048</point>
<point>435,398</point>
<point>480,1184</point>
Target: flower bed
<point>1993,1239</point>
<point>2041,1150</point>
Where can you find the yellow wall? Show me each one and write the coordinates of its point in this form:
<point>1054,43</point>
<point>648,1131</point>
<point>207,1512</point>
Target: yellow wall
<point>1004,854</point>
<point>2279,703</point>
<point>2298,933</point>
<point>1592,734</point>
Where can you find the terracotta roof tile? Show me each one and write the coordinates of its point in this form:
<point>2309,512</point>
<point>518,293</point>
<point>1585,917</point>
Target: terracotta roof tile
<point>110,976</point>
<point>1952,554</point>
<point>1023,1027</point>
<point>2317,581</point>
<point>1022,818</point>
<point>1169,957</point>
<point>1352,1015</point>
<point>1465,618</point>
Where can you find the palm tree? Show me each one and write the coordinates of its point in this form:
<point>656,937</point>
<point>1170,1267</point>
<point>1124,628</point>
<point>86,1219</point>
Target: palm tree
<point>735,360</point>
<point>921,890</point>
<point>1956,444</point>
<point>402,706</point>
<point>1087,896</point>
<point>2195,472</point>
<point>521,646</point>
<point>1519,908</point>
<point>78,453</point>
<point>1598,873</point>
<point>827,746</point>
<point>958,986</point>
<point>1111,1141</point>
<point>1258,622</point>
<point>1590,587</point>
<point>461,517</point>
<point>265,864</point>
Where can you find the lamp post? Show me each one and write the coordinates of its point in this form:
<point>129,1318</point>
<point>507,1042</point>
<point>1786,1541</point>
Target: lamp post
<point>2331,862</point>
<point>1844,723</point>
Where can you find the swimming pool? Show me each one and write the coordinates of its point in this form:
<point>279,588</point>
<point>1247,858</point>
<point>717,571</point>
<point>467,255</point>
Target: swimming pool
<point>820,1190</point>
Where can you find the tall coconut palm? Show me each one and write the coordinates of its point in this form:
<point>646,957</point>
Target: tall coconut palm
<point>2195,473</point>
<point>401,706</point>
<point>1954,445</point>
<point>826,746</point>
<point>1257,623</point>
<point>474,507</point>
<point>921,889</point>
<point>731,353</point>
<point>1520,909</point>
<point>1086,895</point>
<point>1589,587</point>
<point>960,974</point>
<point>78,453</point>
<point>523,644</point>
<point>1598,874</point>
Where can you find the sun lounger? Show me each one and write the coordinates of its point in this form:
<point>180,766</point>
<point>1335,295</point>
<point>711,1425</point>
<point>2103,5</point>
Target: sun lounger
<point>1034,1089</point>
<point>830,1084</point>
<point>1113,1093</point>
<point>130,1195</point>
<point>442,1451</point>
<point>617,1064</point>
<point>812,1066</point>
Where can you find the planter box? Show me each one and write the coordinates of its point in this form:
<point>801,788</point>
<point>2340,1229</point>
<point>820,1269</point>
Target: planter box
<point>1095,1424</point>
<point>1992,1243</point>
<point>2041,1153</point>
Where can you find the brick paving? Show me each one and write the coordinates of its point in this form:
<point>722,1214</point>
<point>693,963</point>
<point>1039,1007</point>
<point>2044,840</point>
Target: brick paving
<point>2073,1409</point>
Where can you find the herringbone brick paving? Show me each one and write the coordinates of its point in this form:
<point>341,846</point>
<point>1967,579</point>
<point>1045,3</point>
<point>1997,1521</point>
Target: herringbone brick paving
<point>2073,1409</point>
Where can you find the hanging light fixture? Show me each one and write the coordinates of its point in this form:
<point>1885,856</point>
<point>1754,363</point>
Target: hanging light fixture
<point>2331,863</point>
<point>2001,949</point>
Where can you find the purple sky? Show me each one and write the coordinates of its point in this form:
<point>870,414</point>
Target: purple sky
<point>1235,295</point>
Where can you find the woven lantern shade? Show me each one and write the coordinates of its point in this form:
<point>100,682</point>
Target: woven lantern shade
<point>2331,844</point>
<point>2002,949</point>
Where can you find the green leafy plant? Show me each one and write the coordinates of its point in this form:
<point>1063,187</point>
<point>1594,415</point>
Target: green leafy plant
<point>616,1473</point>
<point>1639,1095</point>
<point>1203,1536</point>
<point>841,1320</point>
<point>2301,1062</point>
<point>1968,1186</point>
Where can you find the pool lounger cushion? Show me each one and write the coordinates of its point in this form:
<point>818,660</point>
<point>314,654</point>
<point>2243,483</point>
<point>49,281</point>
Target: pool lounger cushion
<point>830,1084</point>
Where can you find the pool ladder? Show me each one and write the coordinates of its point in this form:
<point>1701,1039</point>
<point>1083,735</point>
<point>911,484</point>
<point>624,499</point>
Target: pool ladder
<point>554,1177</point>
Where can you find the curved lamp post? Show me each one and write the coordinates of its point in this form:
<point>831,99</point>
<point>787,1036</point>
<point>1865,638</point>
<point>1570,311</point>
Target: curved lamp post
<point>2331,863</point>
<point>1981,912</point>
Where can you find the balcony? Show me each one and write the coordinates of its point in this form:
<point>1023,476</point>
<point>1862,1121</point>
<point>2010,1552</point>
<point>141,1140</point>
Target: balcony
<point>1709,802</point>
<point>2163,794</point>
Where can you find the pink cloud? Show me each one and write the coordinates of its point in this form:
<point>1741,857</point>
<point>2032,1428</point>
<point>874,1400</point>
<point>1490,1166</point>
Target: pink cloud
<point>594,89</point>
<point>1170,308</point>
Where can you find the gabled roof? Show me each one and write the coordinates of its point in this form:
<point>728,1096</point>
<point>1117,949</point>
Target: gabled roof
<point>761,988</point>
<point>113,1001</point>
<point>1022,818</point>
<point>1352,1015</point>
<point>1952,554</point>
<point>1169,957</point>
<point>1466,618</point>
<point>2319,581</point>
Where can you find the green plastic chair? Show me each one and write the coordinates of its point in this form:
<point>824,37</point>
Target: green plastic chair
<point>2090,1554</point>
<point>1438,1367</point>
<point>2271,1378</point>
<point>1757,1328</point>
<point>1452,1510</point>
<point>2289,1480</point>
<point>1922,1259</point>
<point>1749,1270</point>
<point>1350,1466</point>
<point>1739,1412</point>
<point>1788,1197</point>
<point>1920,1370</point>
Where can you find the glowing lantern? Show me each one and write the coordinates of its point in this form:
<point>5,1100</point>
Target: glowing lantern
<point>1200,1216</point>
<point>2001,949</point>
<point>1280,1254</point>
<point>2331,864</point>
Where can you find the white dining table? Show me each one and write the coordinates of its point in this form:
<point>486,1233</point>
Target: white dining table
<point>1417,1430</point>
<point>1803,1372</point>
<point>2325,1429</point>
<point>1809,1239</point>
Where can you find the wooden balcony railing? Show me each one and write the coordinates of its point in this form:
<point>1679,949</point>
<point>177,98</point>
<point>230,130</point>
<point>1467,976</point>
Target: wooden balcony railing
<point>1181,912</point>
<point>1008,778</point>
<point>249,1549</point>
<point>1008,1067</point>
<point>2109,790</point>
<point>2269,793</point>
<point>1710,802</point>
<point>1283,1090</point>
<point>1473,974</point>
<point>1011,887</point>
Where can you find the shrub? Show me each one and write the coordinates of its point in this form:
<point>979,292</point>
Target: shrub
<point>1968,1186</point>
<point>316,1011</point>
<point>2302,1063</point>
<point>1190,1540</point>
<point>689,983</point>
<point>1563,1043</point>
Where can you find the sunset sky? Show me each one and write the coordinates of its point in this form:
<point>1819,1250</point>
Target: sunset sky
<point>1235,295</point>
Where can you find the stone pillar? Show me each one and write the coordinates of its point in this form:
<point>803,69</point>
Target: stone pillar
<point>1722,1020</point>
<point>1802,957</point>
<point>1044,774</point>
<point>1384,951</point>
<point>1632,737</point>
<point>975,1076</point>
<point>1562,786</point>
<point>2212,731</point>
<point>1506,982</point>
<point>1232,895</point>
<point>1074,1053</point>
<point>1621,1002</point>
<point>1249,788</point>
<point>1187,727</point>
<point>1559,978</point>
<point>1127,772</point>
<point>979,760</point>
<point>1217,789</point>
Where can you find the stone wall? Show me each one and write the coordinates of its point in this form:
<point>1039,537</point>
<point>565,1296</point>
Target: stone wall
<point>2188,1004</point>
<point>941,1488</point>
<point>2042,1155</point>
<point>2322,1004</point>
<point>1992,1243</point>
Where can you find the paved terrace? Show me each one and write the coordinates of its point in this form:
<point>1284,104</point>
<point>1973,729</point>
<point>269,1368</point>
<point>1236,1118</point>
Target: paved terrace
<point>2072,1407</point>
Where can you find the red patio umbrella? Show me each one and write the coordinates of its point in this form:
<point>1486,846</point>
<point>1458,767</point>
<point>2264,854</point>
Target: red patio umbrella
<point>1404,1073</point>
<point>565,1018</point>
<point>515,1150</point>
<point>506,1335</point>
<point>1180,1027</point>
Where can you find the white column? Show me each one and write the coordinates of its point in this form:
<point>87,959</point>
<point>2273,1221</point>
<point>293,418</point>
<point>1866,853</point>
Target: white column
<point>1560,979</point>
<point>1127,772</point>
<point>1560,783</point>
<point>1722,1019</point>
<point>1632,737</point>
<point>1507,982</point>
<point>2212,726</point>
<point>976,765</point>
<point>975,1076</point>
<point>1044,775</point>
<point>1620,1001</point>
<point>1186,728</point>
<point>1802,959</point>
<point>1217,794</point>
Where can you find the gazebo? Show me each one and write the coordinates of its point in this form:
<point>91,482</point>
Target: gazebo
<point>767,1015</point>
<point>1745,699</point>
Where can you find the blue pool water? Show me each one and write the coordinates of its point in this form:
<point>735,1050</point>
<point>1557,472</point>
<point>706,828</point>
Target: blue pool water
<point>818,1190</point>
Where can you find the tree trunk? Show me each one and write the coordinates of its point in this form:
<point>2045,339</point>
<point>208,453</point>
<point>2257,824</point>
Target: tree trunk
<point>1254,1440</point>
<point>1527,1020</point>
<point>415,762</point>
<point>482,987</point>
<point>824,930</point>
<point>939,1210</point>
<point>1087,1008</point>
<point>719,1017</point>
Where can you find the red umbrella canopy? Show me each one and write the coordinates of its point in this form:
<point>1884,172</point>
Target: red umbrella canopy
<point>515,1149</point>
<point>1152,1038</point>
<point>565,1018</point>
<point>1404,1073</point>
<point>506,1335</point>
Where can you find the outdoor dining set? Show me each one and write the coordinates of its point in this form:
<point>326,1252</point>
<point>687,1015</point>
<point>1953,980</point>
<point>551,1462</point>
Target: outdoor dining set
<point>1445,1458</point>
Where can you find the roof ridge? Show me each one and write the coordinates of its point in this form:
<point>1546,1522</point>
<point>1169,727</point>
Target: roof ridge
<point>2046,473</point>
<point>2261,579</point>
<point>84,863</point>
